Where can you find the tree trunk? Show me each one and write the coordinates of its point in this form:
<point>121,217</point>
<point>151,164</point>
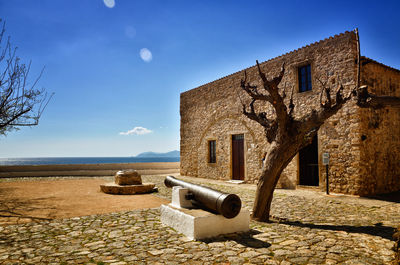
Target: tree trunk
<point>278,157</point>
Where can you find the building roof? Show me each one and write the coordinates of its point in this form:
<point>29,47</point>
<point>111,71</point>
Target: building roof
<point>285,54</point>
<point>366,60</point>
<point>363,58</point>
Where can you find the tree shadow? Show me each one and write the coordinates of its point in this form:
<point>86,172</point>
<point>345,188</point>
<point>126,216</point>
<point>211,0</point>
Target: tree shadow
<point>244,238</point>
<point>389,197</point>
<point>374,230</point>
<point>20,210</point>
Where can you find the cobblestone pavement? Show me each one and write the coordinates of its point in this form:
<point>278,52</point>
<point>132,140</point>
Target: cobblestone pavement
<point>308,228</point>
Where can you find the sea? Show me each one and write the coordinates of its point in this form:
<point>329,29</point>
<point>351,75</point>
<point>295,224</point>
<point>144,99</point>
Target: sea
<point>81,160</point>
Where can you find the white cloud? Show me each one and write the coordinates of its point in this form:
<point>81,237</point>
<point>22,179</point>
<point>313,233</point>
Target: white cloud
<point>137,131</point>
<point>146,55</point>
<point>109,3</point>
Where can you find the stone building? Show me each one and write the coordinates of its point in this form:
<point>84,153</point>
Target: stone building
<point>219,142</point>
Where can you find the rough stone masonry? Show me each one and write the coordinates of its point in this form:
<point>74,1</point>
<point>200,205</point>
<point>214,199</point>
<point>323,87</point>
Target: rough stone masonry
<point>363,144</point>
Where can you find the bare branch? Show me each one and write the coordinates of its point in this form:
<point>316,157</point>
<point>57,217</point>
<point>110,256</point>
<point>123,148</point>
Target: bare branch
<point>284,91</point>
<point>252,91</point>
<point>278,78</point>
<point>274,98</point>
<point>367,100</point>
<point>21,104</point>
<point>262,75</point>
<point>317,117</point>
<point>325,91</point>
<point>261,117</point>
<point>291,104</point>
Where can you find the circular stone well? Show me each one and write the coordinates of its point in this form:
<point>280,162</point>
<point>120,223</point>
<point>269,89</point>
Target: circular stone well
<point>112,188</point>
<point>127,182</point>
<point>128,177</point>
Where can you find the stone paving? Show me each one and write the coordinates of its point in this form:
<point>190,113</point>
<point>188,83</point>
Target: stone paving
<point>308,228</point>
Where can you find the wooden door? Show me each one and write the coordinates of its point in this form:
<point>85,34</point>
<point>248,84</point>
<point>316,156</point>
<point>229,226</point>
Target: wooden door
<point>238,156</point>
<point>308,164</point>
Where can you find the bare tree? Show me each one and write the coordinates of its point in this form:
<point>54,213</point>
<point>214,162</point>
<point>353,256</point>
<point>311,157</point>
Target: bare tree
<point>21,104</point>
<point>287,134</point>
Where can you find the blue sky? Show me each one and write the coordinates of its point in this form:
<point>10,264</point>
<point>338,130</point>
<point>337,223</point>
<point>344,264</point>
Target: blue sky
<point>117,68</point>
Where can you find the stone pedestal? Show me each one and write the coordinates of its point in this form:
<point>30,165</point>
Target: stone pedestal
<point>128,177</point>
<point>127,182</point>
<point>199,224</point>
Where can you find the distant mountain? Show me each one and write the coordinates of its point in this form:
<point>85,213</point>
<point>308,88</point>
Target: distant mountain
<point>152,154</point>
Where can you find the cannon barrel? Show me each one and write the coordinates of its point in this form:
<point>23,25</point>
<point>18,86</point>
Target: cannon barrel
<point>228,205</point>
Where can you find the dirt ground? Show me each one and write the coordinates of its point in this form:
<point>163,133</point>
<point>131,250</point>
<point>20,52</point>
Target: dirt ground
<point>25,201</point>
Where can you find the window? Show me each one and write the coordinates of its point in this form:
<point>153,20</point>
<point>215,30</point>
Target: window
<point>305,78</point>
<point>212,158</point>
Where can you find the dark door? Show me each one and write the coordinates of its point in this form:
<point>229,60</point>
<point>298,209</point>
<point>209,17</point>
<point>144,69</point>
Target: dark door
<point>238,156</point>
<point>308,160</point>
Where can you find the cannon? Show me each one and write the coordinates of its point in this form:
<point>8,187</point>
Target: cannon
<point>229,205</point>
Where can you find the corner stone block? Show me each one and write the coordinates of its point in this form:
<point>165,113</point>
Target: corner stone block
<point>199,224</point>
<point>179,197</point>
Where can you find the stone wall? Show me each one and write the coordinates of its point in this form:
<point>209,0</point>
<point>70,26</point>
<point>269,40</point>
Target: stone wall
<point>213,112</point>
<point>108,169</point>
<point>205,118</point>
<point>339,137</point>
<point>380,132</point>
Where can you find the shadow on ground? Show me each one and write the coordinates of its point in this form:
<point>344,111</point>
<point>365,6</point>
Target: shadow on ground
<point>245,239</point>
<point>389,197</point>
<point>21,209</point>
<point>375,230</point>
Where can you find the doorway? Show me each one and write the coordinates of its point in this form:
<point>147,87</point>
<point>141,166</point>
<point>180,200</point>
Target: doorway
<point>308,164</point>
<point>238,156</point>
